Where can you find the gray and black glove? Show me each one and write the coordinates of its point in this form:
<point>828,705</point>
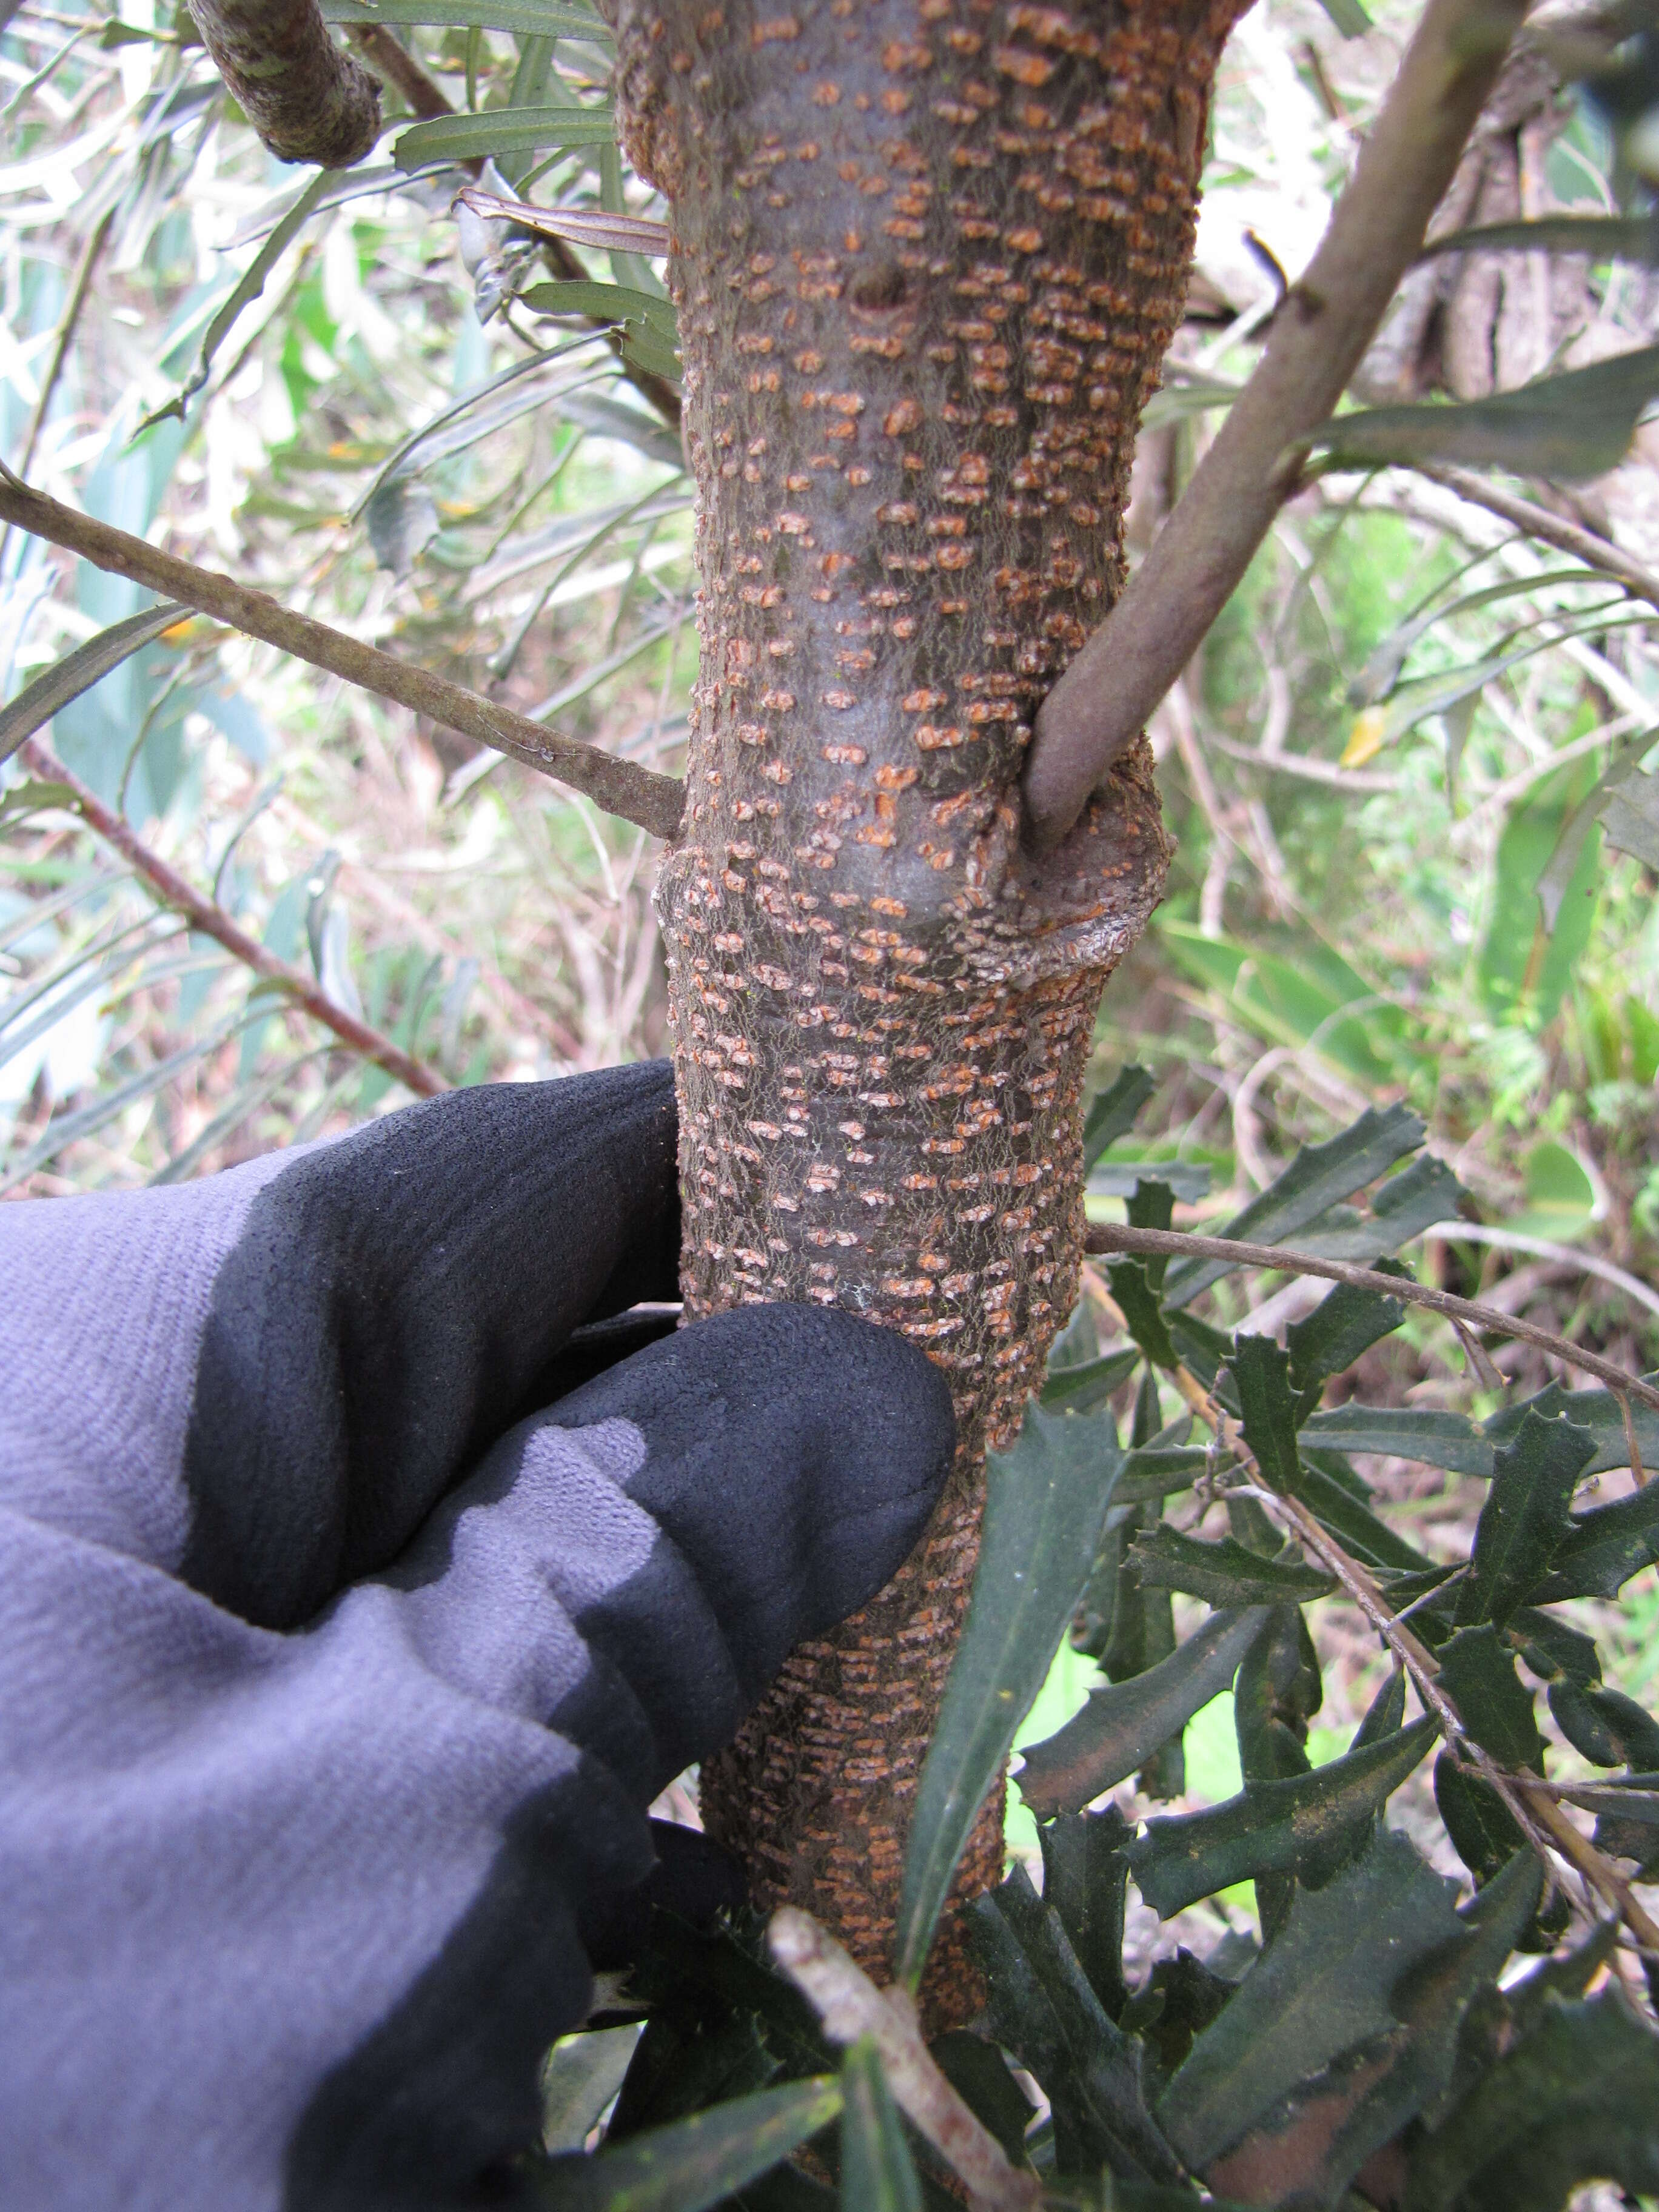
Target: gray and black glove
<point>353,1607</point>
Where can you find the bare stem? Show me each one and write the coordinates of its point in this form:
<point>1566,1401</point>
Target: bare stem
<point>638,794</point>
<point>1112,1237</point>
<point>850,2006</point>
<point>172,890</point>
<point>1319,337</point>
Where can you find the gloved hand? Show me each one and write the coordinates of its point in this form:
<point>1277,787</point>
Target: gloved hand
<point>338,1662</point>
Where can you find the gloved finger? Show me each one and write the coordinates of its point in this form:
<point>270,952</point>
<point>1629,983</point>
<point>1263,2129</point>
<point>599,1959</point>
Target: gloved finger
<point>264,1382</point>
<point>694,1879</point>
<point>691,1514</point>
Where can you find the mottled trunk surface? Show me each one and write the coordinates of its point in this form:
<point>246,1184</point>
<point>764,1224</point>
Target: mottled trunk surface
<point>928,257</point>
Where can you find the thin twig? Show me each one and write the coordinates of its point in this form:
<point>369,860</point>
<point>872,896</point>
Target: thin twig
<point>850,2006</point>
<point>638,794</point>
<point>1549,529</point>
<point>1114,1237</point>
<point>1319,337</point>
<point>172,890</point>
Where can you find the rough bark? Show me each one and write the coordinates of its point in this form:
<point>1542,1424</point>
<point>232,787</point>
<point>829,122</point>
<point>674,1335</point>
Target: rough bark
<point>307,99</point>
<point>928,256</point>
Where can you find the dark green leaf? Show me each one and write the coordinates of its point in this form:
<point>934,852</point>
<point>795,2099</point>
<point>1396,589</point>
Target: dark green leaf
<point>1261,1373</point>
<point>1436,1439</point>
<point>1477,1674</point>
<point>1525,1519</point>
<point>1270,1827</point>
<point>1340,1327</point>
<point>1321,1988</point>
<point>979,2075</point>
<point>1085,1875</point>
<point>1484,1832</point>
<point>1045,1501</point>
<point>1112,1112</point>
<point>1278,1692</point>
<point>1335,1506</point>
<point>694,2162</point>
<point>1157,1469</point>
<point>1314,1181</point>
<point>1138,1304</point>
<point>877,2173</point>
<point>1553,1650</point>
<point>1224,1573</point>
<point>1567,427</point>
<point>77,671</point>
<point>1086,1388</point>
<point>1598,1411</point>
<point>1180,1998</point>
<point>1203,1349</point>
<point>1152,1205</point>
<point>1349,17</point>
<point>1314,2140</point>
<point>1633,1834</point>
<point>1608,1728</point>
<point>503,131</point>
<point>1385,1716</point>
<point>1605,1548</point>
<point>1573,2101</point>
<point>1043,2010</point>
<point>1120,1729</point>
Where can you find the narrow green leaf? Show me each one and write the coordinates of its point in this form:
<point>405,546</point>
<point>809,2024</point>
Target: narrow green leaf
<point>609,303</point>
<point>1321,1988</point>
<point>1120,1729</point>
<point>1422,1433</point>
<point>1086,1388</point>
<point>77,671</point>
<point>1112,1111</point>
<point>877,2172</point>
<point>1316,1180</point>
<point>1046,1498</point>
<point>1568,427</point>
<point>503,131</point>
<point>1484,1832</point>
<point>1142,1313</point>
<point>1270,1827</point>
<point>1605,1548</point>
<point>1043,2010</point>
<point>1157,1470</point>
<point>1525,1519</point>
<point>1573,2101</point>
<point>1479,1676</point>
<point>1261,1372</point>
<point>1314,2140</point>
<point>1225,1572</point>
<point>1349,17</point>
<point>695,2162</point>
<point>1341,1326</point>
<point>1608,1728</point>
<point>1085,1878</point>
<point>1335,1506</point>
<point>534,18</point>
<point>1553,1648</point>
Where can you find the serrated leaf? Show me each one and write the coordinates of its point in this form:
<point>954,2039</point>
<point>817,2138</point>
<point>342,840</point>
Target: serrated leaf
<point>1477,1673</point>
<point>1316,1180</point>
<point>1608,1729</point>
<point>1526,1518</point>
<point>1573,2101</point>
<point>1604,1548</point>
<point>1084,1877</point>
<point>1120,1729</point>
<point>1223,1572</point>
<point>1112,1112</point>
<point>1270,1827</point>
<point>1261,1373</point>
<point>694,2162</point>
<point>1421,1433</point>
<point>1043,2010</point>
<point>1142,1314</point>
<point>1567,428</point>
<point>456,138</point>
<point>1553,1648</point>
<point>77,671</point>
<point>1278,1691</point>
<point>1046,1498</point>
<point>1321,1988</point>
<point>877,2172</point>
<point>1311,2143</point>
<point>1342,1326</point>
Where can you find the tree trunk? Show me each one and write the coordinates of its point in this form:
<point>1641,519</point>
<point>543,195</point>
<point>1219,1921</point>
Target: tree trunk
<point>928,254</point>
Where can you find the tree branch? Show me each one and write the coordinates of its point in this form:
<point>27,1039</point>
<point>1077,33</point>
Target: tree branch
<point>1112,1237</point>
<point>639,795</point>
<point>850,2006</point>
<point>1549,529</point>
<point>306,98</point>
<point>1319,337</point>
<point>172,890</point>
